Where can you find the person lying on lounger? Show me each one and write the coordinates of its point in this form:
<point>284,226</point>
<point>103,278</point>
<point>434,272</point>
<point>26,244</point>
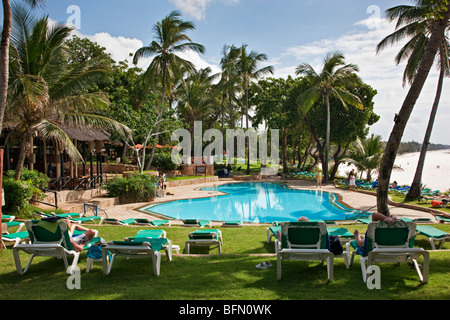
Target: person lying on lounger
<point>375,217</point>
<point>79,241</point>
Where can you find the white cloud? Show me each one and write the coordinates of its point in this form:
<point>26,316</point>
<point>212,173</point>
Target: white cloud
<point>197,8</point>
<point>381,72</point>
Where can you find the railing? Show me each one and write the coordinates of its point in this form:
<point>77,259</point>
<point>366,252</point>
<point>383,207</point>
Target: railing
<point>68,183</point>
<point>55,204</point>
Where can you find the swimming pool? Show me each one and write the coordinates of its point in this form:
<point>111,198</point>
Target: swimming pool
<point>257,202</point>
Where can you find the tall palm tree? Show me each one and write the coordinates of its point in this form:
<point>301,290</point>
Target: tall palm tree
<point>441,16</point>
<point>4,53</point>
<point>334,76</point>
<point>412,22</point>
<point>45,94</point>
<point>170,39</point>
<point>247,66</point>
<point>229,81</point>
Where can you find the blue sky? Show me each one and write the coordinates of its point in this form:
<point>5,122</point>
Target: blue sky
<point>289,32</point>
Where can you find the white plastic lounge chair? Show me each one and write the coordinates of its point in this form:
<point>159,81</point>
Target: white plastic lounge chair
<point>384,243</point>
<point>8,217</point>
<point>232,223</point>
<point>71,215</point>
<point>48,239</point>
<point>169,247</point>
<point>208,237</point>
<point>15,238</point>
<point>196,223</point>
<point>88,219</point>
<point>143,248</point>
<point>304,241</point>
<point>433,235</point>
<point>125,222</point>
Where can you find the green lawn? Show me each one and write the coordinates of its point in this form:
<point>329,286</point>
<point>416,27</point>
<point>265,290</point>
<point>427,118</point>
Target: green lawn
<point>230,276</point>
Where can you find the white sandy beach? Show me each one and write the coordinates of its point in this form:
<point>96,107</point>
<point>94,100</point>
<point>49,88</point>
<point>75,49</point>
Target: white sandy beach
<point>436,172</point>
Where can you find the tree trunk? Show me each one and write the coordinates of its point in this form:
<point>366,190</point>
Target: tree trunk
<point>4,58</point>
<point>158,124</point>
<point>390,152</point>
<point>246,120</point>
<point>22,154</point>
<point>327,144</point>
<point>415,190</point>
<point>285,135</point>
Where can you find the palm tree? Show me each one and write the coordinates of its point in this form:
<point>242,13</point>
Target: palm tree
<point>366,155</point>
<point>413,22</point>
<point>4,53</point>
<point>334,76</point>
<point>45,94</point>
<point>441,15</point>
<point>170,38</point>
<point>247,66</point>
<point>197,97</point>
<point>229,81</point>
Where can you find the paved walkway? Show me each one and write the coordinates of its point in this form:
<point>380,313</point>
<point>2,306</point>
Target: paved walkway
<point>355,200</point>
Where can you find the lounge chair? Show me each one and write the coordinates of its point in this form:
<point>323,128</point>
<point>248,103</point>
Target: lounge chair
<point>384,243</point>
<point>70,215</point>
<point>88,219</point>
<point>442,219</point>
<point>304,241</point>
<point>232,223</point>
<point>158,223</point>
<point>11,224</point>
<point>137,248</point>
<point>15,238</point>
<point>125,222</point>
<point>152,223</point>
<point>48,239</point>
<point>8,217</point>
<point>196,223</point>
<point>205,238</point>
<point>433,235</point>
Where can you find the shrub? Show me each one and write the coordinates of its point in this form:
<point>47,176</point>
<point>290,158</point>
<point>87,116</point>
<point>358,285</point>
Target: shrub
<point>163,162</point>
<point>19,193</point>
<point>136,188</point>
<point>17,196</point>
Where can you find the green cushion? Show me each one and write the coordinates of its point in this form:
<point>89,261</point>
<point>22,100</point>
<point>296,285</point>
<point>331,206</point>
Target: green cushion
<point>205,234</point>
<point>342,232</point>
<point>159,222</point>
<point>430,231</point>
<point>155,244</point>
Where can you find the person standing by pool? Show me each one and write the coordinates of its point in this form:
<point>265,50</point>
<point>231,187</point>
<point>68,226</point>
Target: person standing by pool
<point>352,181</point>
<point>319,179</point>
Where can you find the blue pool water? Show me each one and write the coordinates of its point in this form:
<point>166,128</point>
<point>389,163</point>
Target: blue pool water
<point>257,202</point>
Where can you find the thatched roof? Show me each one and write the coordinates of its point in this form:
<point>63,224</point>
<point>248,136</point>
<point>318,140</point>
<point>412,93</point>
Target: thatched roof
<point>86,134</point>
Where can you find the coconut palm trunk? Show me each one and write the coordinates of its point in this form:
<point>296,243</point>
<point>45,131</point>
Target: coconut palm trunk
<point>415,190</point>
<point>4,58</point>
<point>401,119</point>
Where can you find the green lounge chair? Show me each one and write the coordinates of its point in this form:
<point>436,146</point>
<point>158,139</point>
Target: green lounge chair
<point>48,239</point>
<point>142,248</point>
<point>8,217</point>
<point>196,223</point>
<point>384,243</point>
<point>232,223</point>
<point>158,223</point>
<point>304,241</point>
<point>205,238</point>
<point>88,219</point>
<point>441,218</point>
<point>433,235</point>
<point>125,222</point>
<point>15,237</point>
<point>70,215</point>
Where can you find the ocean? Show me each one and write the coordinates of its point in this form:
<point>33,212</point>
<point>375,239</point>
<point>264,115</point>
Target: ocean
<point>436,171</point>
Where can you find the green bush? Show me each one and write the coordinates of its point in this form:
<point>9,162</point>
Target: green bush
<point>17,196</point>
<point>163,162</point>
<point>19,193</point>
<point>136,188</point>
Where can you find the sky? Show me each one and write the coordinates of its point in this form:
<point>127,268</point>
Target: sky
<point>289,32</point>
